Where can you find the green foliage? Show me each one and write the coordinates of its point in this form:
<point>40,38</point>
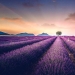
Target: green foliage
<point>58,33</point>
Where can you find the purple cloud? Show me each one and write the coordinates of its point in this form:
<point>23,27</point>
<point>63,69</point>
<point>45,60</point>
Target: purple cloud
<point>32,3</point>
<point>71,17</point>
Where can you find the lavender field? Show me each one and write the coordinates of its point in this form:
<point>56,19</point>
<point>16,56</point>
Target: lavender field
<point>37,55</point>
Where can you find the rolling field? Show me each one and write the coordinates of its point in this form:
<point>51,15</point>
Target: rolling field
<point>37,55</point>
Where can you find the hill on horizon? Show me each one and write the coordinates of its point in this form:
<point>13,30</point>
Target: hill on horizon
<point>43,34</point>
<point>25,34</point>
<point>3,33</point>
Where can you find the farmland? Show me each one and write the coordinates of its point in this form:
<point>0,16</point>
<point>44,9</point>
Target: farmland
<point>37,55</point>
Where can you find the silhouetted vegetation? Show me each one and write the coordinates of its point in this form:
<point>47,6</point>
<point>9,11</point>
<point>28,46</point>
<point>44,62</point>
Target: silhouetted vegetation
<point>58,33</point>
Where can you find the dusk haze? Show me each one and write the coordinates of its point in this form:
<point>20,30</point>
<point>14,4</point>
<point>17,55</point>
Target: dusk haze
<point>37,37</point>
<point>37,16</point>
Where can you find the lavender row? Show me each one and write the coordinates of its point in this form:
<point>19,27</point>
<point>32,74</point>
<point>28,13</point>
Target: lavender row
<point>18,40</point>
<point>70,45</point>
<point>21,38</point>
<point>9,39</point>
<point>70,38</point>
<point>55,62</point>
<point>21,61</point>
<point>14,45</point>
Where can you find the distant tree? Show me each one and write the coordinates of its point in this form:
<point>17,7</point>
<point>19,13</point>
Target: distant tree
<point>58,33</point>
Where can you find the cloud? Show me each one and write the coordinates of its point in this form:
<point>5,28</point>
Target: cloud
<point>15,20</point>
<point>12,19</point>
<point>71,17</point>
<point>49,25</point>
<point>19,21</point>
<point>32,3</point>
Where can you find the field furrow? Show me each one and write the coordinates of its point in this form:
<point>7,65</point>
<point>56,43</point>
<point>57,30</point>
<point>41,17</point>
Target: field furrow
<point>15,45</point>
<point>22,60</point>
<point>56,61</point>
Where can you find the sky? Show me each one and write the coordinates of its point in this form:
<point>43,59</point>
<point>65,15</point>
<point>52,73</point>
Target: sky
<point>37,16</point>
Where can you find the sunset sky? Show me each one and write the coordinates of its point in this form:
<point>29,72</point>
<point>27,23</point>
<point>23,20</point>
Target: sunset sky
<point>37,16</point>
